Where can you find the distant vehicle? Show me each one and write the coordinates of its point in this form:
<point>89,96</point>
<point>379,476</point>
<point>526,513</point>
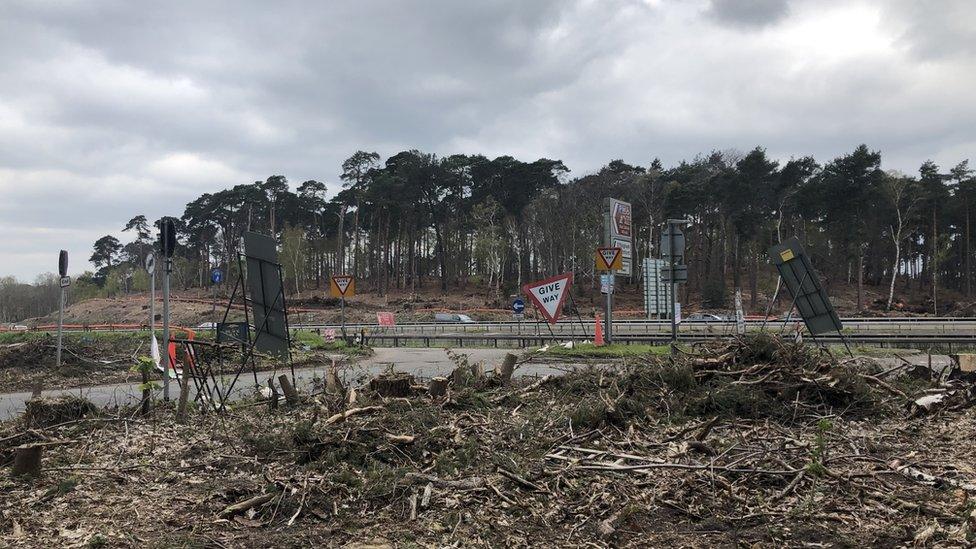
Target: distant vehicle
<point>208,326</point>
<point>20,328</point>
<point>707,317</point>
<point>453,317</point>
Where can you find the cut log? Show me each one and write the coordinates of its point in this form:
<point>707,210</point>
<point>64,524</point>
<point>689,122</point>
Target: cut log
<point>247,505</point>
<point>507,368</point>
<point>184,397</point>
<point>392,385</point>
<point>291,395</point>
<point>27,460</point>
<point>351,412</point>
<point>438,387</point>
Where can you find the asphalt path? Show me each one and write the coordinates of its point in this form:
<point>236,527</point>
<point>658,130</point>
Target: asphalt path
<point>421,362</point>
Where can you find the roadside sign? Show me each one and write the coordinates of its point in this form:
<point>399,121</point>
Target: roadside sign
<point>518,306</point>
<point>609,259</point>
<point>740,318</point>
<point>679,244</point>
<point>657,300</point>
<point>385,319</point>
<point>342,286</point>
<point>63,263</point>
<point>65,281</point>
<point>680,274</point>
<point>150,263</point>
<point>677,312</point>
<point>550,295</point>
<point>606,283</point>
<point>216,276</point>
<point>621,235</point>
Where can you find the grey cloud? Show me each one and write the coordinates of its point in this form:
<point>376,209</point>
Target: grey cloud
<point>748,13</point>
<point>110,108</point>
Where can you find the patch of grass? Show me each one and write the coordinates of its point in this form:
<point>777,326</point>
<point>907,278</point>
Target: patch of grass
<point>317,342</point>
<point>617,350</point>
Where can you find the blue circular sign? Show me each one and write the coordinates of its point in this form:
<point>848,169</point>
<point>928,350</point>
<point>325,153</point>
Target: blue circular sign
<point>518,305</point>
<point>216,276</point>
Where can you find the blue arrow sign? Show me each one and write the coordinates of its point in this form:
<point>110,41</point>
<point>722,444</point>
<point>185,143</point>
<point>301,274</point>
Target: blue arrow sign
<point>518,306</point>
<point>216,276</point>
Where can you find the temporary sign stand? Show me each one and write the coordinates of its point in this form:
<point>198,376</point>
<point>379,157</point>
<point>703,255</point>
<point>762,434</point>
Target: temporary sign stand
<point>65,281</point>
<point>342,286</point>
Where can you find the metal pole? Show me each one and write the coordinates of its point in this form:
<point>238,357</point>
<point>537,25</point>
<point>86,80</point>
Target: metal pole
<point>60,323</point>
<point>608,321</point>
<point>673,285</point>
<point>166,361</point>
<point>342,316</point>
<point>152,304</point>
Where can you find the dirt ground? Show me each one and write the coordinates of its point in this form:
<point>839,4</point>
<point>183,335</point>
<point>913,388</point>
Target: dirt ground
<point>193,308</point>
<point>98,358</point>
<point>756,443</point>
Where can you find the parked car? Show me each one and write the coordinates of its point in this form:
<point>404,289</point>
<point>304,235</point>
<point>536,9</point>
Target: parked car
<point>706,317</point>
<point>453,318</point>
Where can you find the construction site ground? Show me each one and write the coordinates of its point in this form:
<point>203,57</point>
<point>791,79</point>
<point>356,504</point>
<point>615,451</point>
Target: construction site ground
<point>756,442</point>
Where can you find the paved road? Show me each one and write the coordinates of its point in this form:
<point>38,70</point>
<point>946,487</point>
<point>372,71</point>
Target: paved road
<point>421,362</point>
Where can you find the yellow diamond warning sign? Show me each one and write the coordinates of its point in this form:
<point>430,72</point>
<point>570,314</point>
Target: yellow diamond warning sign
<point>342,286</point>
<point>609,259</point>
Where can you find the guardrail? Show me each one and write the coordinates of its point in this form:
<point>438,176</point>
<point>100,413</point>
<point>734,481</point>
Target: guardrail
<point>526,341</point>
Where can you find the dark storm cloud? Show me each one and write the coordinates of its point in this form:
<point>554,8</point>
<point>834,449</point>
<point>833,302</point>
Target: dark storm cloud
<point>748,13</point>
<point>113,108</point>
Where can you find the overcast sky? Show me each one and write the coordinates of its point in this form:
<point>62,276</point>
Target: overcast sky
<point>114,108</point>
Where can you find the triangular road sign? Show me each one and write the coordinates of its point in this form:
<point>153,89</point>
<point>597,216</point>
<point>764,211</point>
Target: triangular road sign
<point>549,295</point>
<point>342,286</point>
<point>609,259</point>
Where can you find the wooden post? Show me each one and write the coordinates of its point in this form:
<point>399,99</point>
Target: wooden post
<point>146,392</point>
<point>333,385</point>
<point>273,402</point>
<point>27,460</point>
<point>438,387</point>
<point>507,368</point>
<point>184,397</point>
<point>291,395</point>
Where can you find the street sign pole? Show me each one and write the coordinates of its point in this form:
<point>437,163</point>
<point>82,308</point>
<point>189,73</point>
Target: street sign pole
<point>608,241</point>
<point>168,268</point>
<point>60,323</point>
<point>342,316</point>
<point>674,286</point>
<point>63,284</point>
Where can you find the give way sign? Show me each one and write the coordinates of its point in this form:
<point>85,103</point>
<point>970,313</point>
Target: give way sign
<point>549,295</point>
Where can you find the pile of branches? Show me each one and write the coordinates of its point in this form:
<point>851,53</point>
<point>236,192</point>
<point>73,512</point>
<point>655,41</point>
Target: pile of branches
<point>755,442</point>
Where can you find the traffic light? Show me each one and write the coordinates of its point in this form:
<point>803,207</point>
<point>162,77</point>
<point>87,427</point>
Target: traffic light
<point>63,263</point>
<point>167,237</point>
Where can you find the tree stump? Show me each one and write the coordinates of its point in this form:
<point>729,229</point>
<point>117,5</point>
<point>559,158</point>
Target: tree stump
<point>27,460</point>
<point>438,387</point>
<point>478,370</point>
<point>392,385</point>
<point>291,395</point>
<point>333,385</point>
<point>507,368</point>
<point>184,397</point>
<point>273,399</point>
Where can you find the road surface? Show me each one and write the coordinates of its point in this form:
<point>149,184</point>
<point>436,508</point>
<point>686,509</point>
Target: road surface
<point>421,362</point>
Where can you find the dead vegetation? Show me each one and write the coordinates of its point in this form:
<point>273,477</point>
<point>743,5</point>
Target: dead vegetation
<point>757,442</point>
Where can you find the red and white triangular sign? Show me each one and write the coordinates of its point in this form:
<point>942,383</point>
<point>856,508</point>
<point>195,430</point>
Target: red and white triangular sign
<point>549,295</point>
<point>609,257</point>
<point>342,282</point>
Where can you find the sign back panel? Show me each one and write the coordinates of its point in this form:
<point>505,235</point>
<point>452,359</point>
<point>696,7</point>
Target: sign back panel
<point>804,286</point>
<point>267,295</point>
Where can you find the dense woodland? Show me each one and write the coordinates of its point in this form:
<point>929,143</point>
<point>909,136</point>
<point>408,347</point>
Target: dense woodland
<point>419,221</point>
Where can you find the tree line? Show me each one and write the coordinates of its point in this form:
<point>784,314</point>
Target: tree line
<point>417,220</point>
